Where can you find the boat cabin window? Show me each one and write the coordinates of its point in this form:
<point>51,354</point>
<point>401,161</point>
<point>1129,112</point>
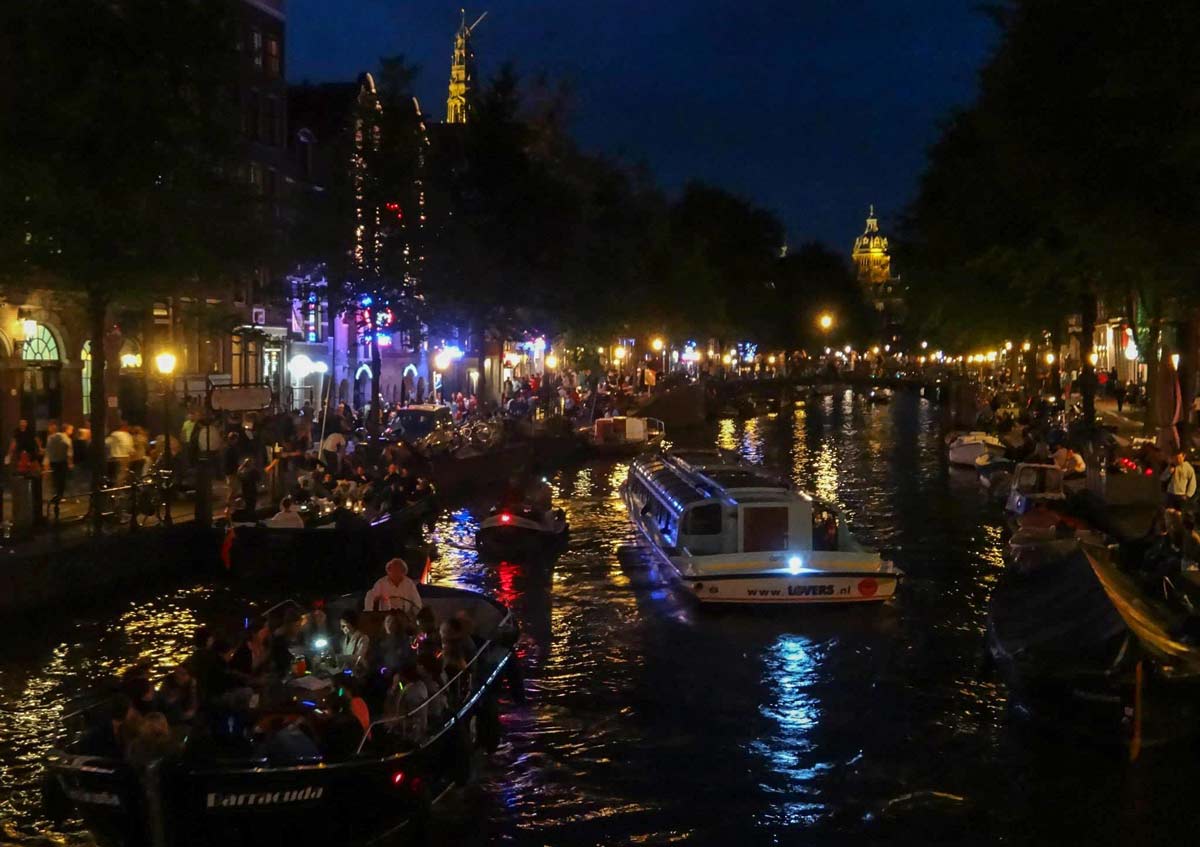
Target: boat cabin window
<point>703,520</point>
<point>825,530</point>
<point>764,528</point>
<point>1039,480</point>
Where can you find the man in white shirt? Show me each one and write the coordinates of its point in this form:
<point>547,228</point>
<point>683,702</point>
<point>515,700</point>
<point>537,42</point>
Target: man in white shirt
<point>287,517</point>
<point>394,592</point>
<point>332,449</point>
<point>120,448</point>
<point>1069,462</point>
<point>1180,478</point>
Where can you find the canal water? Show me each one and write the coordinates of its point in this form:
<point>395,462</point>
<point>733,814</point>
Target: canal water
<point>649,722</point>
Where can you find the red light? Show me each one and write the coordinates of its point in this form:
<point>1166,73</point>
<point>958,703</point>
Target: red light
<point>1149,471</point>
<point>398,778</point>
<point>506,518</point>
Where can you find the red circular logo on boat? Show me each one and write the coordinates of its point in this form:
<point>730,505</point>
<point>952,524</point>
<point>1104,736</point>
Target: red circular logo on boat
<point>867,587</point>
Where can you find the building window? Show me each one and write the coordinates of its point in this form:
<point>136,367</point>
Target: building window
<point>274,62</point>
<point>268,132</point>
<point>250,118</point>
<point>41,348</point>
<point>85,376</point>
<point>256,48</point>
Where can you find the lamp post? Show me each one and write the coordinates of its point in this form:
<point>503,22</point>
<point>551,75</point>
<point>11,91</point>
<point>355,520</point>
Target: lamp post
<point>660,348</point>
<point>165,363</point>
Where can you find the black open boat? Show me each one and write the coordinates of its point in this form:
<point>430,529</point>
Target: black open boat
<point>391,782</point>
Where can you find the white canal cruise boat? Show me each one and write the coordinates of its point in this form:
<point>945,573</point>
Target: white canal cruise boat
<point>728,532</point>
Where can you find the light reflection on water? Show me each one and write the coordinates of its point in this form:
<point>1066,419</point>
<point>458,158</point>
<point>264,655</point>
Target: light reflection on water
<point>649,723</point>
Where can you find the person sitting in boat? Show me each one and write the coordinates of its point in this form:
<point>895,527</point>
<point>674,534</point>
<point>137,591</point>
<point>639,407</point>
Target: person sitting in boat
<point>345,519</point>
<point>287,517</point>
<point>355,651</point>
<point>178,697</point>
<point>395,647</point>
<point>151,742</point>
<point>253,655</point>
<point>825,531</point>
<point>282,639</point>
<point>406,695</point>
<point>345,730</point>
<point>1069,462</point>
<point>428,641</point>
<point>394,591</point>
<point>107,737</point>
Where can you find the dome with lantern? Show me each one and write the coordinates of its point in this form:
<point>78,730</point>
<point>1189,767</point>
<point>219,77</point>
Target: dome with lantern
<point>872,259</point>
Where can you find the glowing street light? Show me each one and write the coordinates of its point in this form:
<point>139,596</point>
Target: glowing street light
<point>1049,358</point>
<point>619,353</point>
<point>825,321</point>
<point>657,344</point>
<point>165,363</point>
<point>551,361</point>
<point>1026,346</point>
<point>442,360</point>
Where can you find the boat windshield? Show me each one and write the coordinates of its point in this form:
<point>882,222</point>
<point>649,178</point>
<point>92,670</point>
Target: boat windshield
<point>1039,479</point>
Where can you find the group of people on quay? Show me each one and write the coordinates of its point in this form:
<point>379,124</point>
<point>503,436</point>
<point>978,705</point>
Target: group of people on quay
<point>294,685</point>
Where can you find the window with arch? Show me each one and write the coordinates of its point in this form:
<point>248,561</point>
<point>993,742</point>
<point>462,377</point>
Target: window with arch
<point>43,347</point>
<point>85,376</point>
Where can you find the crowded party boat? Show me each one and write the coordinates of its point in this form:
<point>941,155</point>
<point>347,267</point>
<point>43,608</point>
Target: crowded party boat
<point>305,730</point>
<point>731,533</point>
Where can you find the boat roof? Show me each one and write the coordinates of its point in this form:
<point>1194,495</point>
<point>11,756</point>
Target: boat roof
<point>735,482</point>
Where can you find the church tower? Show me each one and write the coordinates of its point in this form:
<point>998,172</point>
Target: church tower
<point>872,259</point>
<point>462,71</point>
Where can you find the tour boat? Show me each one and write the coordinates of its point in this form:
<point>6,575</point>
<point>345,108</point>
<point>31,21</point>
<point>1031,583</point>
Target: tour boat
<point>623,436</point>
<point>728,532</point>
<point>522,533</point>
<point>1033,484</point>
<point>968,447</point>
<point>233,794</point>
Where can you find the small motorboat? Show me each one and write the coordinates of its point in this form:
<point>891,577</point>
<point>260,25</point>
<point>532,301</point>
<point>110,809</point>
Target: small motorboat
<point>1033,484</point>
<point>994,471</point>
<point>966,448</point>
<point>522,533</point>
<point>620,435</point>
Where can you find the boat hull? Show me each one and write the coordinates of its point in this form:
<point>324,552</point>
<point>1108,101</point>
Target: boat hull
<point>518,543</point>
<point>799,590</point>
<point>966,454</point>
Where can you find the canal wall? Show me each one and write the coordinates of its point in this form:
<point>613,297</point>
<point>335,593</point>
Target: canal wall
<point>64,573</point>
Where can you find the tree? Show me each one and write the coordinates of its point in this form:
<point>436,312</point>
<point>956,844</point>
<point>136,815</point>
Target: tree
<point>119,156</point>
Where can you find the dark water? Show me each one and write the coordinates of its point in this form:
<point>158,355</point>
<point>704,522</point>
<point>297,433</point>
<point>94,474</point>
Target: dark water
<point>648,722</point>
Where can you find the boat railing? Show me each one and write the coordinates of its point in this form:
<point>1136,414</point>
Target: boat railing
<point>454,694</point>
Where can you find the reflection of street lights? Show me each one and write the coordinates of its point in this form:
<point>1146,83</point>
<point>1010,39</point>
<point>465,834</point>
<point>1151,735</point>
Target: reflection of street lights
<point>165,363</point>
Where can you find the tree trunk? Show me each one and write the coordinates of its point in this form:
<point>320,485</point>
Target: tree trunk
<point>1152,364</point>
<point>1188,338</point>
<point>1087,378</point>
<point>376,421</point>
<point>97,306</point>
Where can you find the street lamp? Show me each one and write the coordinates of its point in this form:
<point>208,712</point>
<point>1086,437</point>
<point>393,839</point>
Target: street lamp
<point>165,363</point>
<point>825,321</point>
<point>1049,358</point>
<point>551,362</point>
<point>657,344</point>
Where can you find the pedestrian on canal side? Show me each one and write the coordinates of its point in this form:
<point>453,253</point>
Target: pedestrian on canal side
<point>59,455</point>
<point>1180,481</point>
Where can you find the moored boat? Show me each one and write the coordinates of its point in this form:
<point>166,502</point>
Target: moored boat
<point>522,533</point>
<point>969,446</point>
<point>994,471</point>
<point>228,786</point>
<point>1033,484</point>
<point>731,533</point>
<point>620,435</point>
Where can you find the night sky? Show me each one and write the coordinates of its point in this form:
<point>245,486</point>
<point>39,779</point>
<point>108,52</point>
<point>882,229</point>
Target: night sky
<point>813,108</point>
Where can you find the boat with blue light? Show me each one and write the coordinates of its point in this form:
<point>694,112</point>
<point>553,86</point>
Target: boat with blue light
<point>730,533</point>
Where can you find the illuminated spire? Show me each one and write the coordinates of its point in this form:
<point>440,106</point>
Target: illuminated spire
<point>462,71</point>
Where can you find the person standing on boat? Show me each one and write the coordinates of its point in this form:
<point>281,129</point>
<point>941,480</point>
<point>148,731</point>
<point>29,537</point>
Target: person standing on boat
<point>394,591</point>
<point>1180,480</point>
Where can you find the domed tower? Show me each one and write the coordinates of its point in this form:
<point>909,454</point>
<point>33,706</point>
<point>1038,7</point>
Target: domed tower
<point>872,261</point>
